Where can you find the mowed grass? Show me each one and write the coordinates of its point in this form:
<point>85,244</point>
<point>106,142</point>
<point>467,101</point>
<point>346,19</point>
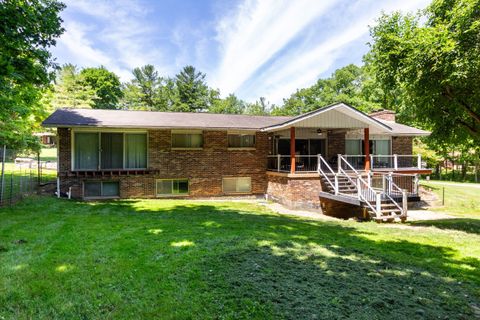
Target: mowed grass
<point>169,259</point>
<point>461,199</point>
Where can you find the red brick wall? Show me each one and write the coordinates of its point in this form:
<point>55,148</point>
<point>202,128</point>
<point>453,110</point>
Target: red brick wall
<point>294,192</point>
<point>402,145</point>
<point>335,144</point>
<point>204,168</point>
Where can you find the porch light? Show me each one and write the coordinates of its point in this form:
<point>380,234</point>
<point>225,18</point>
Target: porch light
<point>319,132</point>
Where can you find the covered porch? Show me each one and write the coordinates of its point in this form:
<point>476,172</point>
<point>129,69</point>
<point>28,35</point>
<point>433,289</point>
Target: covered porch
<point>365,143</point>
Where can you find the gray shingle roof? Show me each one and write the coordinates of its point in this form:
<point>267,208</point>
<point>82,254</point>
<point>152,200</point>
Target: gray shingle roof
<point>150,119</point>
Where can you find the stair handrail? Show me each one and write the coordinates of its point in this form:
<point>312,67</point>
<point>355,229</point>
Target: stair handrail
<point>361,185</point>
<point>320,171</point>
<point>403,208</point>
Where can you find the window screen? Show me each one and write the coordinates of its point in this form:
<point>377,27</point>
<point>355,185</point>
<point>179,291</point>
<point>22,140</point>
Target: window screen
<point>86,151</point>
<point>353,147</point>
<point>241,140</point>
<point>237,185</point>
<point>187,140</point>
<point>172,187</point>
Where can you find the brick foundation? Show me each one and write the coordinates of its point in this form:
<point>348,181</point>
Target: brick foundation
<point>296,192</point>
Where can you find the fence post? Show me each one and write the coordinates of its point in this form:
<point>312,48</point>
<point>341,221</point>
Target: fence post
<point>278,162</point>
<point>371,161</point>
<point>11,188</point>
<point>404,202</point>
<point>395,161</point>
<point>369,178</point>
<point>419,161</point>
<point>339,160</point>
<point>3,174</point>
<point>416,183</point>
<point>336,184</point>
<point>318,162</point>
<point>378,204</point>
<point>384,183</point>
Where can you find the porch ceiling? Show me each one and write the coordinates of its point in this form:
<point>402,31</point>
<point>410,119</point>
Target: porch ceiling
<point>337,116</point>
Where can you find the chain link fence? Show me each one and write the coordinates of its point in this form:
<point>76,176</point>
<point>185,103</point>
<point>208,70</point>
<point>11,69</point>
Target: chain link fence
<point>22,176</point>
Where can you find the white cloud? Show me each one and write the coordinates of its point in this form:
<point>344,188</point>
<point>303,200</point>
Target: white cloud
<point>297,66</point>
<point>258,31</point>
<point>117,37</point>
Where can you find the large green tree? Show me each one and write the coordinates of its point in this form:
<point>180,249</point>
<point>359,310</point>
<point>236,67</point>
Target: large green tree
<point>231,105</point>
<point>433,60</point>
<point>70,90</point>
<point>346,84</point>
<point>27,30</point>
<point>193,91</point>
<point>106,86</point>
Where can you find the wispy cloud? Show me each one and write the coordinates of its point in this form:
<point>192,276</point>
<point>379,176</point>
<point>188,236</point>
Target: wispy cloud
<point>257,31</point>
<point>119,38</point>
<point>255,70</point>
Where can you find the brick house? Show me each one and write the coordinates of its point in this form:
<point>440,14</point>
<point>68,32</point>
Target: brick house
<point>332,155</point>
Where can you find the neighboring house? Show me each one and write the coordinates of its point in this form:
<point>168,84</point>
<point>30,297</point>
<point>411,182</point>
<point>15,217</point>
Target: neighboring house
<point>47,138</point>
<point>334,157</point>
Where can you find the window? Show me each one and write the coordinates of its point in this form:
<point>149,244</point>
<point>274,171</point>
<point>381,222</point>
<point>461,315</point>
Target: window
<point>136,151</point>
<point>237,185</point>
<point>86,151</point>
<point>112,150</point>
<point>353,147</point>
<point>187,139</point>
<point>241,140</point>
<point>101,189</point>
<point>109,150</point>
<point>172,187</point>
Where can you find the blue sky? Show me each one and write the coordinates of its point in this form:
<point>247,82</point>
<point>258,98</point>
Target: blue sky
<point>251,48</point>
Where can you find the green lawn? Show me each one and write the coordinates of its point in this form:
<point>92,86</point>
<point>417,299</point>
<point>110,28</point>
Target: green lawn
<point>168,259</point>
<point>48,154</point>
<point>461,199</point>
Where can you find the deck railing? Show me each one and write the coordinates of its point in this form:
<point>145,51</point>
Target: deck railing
<point>394,161</point>
<point>282,163</point>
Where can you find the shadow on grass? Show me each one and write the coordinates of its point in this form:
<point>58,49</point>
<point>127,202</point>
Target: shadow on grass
<point>267,266</point>
<point>460,224</point>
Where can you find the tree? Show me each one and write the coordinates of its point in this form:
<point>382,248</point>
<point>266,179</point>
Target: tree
<point>231,105</point>
<point>434,57</point>
<point>71,90</point>
<point>258,108</point>
<point>105,84</point>
<point>346,84</point>
<point>27,30</point>
<point>193,92</point>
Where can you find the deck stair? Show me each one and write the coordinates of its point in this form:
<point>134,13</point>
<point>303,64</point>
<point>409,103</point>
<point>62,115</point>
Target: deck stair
<point>348,185</point>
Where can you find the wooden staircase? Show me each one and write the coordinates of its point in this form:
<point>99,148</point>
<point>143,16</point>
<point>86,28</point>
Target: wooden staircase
<point>350,187</point>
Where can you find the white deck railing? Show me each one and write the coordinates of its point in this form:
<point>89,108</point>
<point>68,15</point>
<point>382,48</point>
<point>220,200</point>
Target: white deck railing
<point>394,161</point>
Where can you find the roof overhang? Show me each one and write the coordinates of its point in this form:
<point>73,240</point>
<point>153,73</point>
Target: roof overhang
<point>336,116</point>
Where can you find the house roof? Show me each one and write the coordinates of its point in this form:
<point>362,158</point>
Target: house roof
<point>152,119</point>
<point>339,115</point>
<point>334,116</point>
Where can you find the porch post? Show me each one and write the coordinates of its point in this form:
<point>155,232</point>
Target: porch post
<point>292,150</point>
<point>366,144</point>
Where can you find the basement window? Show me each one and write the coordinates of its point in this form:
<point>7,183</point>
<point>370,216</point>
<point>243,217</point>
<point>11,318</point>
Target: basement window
<point>172,187</point>
<point>101,189</point>
<point>237,185</point>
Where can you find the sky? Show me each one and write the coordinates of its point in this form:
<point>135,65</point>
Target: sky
<point>252,48</point>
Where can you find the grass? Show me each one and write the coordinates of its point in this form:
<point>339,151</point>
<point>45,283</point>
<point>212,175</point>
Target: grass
<point>48,154</point>
<point>461,199</point>
<point>177,259</point>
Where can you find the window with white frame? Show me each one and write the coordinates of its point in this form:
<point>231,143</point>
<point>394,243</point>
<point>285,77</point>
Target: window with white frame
<point>172,187</point>
<point>187,139</point>
<point>237,184</point>
<point>109,150</point>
